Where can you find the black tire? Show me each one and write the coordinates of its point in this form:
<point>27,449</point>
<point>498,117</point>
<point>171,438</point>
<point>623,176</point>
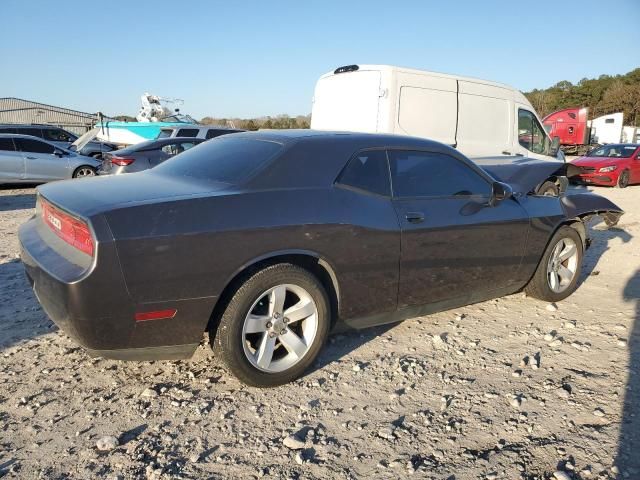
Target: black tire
<point>228,339</point>
<point>623,179</point>
<point>538,287</point>
<point>76,173</point>
<point>548,189</point>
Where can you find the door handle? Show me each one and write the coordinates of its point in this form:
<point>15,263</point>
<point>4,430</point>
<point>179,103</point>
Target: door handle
<point>414,217</point>
<point>32,158</point>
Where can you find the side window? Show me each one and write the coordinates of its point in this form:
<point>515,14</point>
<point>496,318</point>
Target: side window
<point>368,171</point>
<point>428,174</point>
<point>212,133</point>
<point>6,145</point>
<point>35,132</point>
<point>188,132</point>
<point>176,148</point>
<point>56,135</point>
<point>530,134</point>
<point>165,133</point>
<point>187,145</point>
<point>7,130</point>
<point>33,146</point>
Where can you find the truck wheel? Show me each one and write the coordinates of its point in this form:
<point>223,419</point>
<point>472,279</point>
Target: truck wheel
<point>559,269</point>
<point>548,189</point>
<point>274,326</point>
<point>623,179</point>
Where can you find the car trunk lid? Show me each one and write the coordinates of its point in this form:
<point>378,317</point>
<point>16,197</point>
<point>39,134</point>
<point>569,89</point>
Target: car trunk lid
<point>91,196</point>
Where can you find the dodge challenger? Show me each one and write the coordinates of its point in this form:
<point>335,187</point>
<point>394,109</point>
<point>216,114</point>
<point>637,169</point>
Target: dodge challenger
<point>269,240</point>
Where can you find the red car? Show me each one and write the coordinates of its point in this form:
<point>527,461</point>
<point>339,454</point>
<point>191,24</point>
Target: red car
<point>610,165</point>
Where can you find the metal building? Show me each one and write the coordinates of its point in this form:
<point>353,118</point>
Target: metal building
<point>16,110</point>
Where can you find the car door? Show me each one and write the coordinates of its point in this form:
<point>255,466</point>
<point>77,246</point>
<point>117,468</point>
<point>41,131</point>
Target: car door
<point>11,161</point>
<point>41,162</point>
<point>453,244</point>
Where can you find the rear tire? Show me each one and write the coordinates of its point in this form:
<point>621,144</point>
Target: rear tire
<point>84,171</point>
<point>274,326</point>
<point>623,179</point>
<point>557,278</point>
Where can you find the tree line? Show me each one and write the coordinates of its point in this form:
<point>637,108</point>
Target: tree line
<point>603,95</point>
<point>278,122</point>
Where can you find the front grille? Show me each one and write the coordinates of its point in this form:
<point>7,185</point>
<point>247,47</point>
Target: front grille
<point>587,169</point>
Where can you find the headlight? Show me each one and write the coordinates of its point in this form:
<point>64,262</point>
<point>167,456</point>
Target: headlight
<point>610,168</point>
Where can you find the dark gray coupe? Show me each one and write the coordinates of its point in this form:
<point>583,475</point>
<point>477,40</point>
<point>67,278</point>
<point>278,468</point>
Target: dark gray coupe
<point>268,240</point>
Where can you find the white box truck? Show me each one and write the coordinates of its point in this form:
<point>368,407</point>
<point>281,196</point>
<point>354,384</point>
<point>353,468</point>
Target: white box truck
<point>478,117</point>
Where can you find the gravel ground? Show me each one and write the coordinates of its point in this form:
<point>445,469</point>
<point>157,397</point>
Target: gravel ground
<point>512,388</point>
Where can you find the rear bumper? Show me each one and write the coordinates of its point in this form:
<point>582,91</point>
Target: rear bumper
<point>92,305</point>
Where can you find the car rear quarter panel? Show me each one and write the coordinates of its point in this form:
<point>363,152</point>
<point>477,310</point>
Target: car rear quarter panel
<point>193,248</point>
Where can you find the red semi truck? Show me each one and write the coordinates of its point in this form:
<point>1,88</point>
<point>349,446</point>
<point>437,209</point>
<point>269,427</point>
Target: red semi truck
<point>572,127</point>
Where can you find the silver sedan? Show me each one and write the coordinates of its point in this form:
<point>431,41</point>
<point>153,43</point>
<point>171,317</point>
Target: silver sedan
<point>27,159</point>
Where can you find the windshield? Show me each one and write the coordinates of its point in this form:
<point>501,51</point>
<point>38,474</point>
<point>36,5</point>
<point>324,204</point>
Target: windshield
<point>223,159</point>
<point>85,138</point>
<point>614,151</point>
<point>178,117</point>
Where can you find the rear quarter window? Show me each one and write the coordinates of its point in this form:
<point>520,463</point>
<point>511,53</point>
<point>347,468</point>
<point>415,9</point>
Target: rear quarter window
<point>226,159</point>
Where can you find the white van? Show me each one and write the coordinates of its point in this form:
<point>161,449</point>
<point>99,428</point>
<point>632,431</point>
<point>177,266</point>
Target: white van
<point>478,117</point>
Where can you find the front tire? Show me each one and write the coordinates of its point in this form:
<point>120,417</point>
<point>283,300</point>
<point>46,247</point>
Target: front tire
<point>623,179</point>
<point>559,269</point>
<point>274,326</point>
<point>84,171</point>
<point>549,189</point>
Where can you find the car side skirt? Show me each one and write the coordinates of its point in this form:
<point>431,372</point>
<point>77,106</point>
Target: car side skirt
<point>415,311</point>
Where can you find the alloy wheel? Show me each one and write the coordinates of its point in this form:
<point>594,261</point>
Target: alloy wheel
<point>562,265</point>
<point>85,172</point>
<point>280,328</point>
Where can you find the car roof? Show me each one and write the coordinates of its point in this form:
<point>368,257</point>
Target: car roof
<point>21,135</point>
<point>356,138</point>
<point>205,127</point>
<point>159,142</point>
<point>30,125</point>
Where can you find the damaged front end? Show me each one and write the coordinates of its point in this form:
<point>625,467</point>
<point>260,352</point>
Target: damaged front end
<point>583,206</point>
<point>528,175</point>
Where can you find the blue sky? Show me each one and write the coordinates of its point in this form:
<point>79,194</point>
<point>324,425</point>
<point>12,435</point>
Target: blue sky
<point>254,58</point>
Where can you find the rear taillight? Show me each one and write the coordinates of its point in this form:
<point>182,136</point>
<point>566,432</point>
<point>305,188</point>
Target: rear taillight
<point>73,231</point>
<point>122,161</point>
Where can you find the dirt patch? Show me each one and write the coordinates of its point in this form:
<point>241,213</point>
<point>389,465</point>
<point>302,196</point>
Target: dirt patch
<point>502,389</point>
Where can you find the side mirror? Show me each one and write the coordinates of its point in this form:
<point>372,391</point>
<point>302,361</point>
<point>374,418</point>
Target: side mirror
<point>555,146</point>
<point>59,153</point>
<point>499,192</point>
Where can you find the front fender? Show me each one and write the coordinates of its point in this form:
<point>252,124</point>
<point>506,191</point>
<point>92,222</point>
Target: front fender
<point>584,205</point>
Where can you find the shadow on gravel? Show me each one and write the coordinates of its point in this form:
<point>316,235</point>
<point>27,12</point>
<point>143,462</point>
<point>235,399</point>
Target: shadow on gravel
<point>18,201</point>
<point>341,344</point>
<point>21,201</point>
<point>628,457</point>
<point>601,238</point>
<point>21,316</point>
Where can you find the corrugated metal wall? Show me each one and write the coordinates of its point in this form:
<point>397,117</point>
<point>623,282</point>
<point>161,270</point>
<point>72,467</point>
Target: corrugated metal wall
<point>16,110</point>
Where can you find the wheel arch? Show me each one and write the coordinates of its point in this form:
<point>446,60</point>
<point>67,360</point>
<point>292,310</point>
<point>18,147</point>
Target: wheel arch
<point>577,223</point>
<point>309,260</point>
